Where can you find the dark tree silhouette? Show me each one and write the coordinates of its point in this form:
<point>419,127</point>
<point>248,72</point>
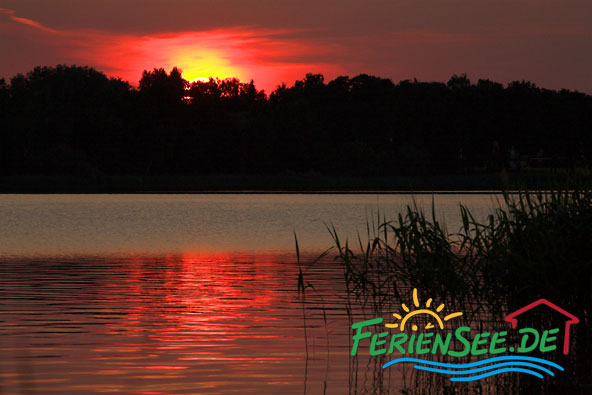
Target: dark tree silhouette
<point>163,89</point>
<point>70,120</point>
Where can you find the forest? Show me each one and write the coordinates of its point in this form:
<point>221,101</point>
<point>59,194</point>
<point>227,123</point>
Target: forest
<point>76,121</point>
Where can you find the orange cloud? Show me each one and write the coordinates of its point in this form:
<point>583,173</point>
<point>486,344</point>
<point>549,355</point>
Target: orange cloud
<point>25,21</point>
<point>269,57</point>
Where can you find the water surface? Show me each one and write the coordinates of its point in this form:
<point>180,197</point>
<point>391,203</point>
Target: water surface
<point>50,225</point>
<point>169,294</point>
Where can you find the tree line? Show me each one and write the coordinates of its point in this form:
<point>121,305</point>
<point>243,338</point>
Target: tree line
<point>71,120</point>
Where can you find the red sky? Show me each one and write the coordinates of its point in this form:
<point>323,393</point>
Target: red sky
<point>548,42</point>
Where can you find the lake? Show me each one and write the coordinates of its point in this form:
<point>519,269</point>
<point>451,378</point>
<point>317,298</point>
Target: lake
<point>180,294</point>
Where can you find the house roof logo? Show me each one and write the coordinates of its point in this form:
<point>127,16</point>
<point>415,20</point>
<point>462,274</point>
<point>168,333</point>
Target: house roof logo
<point>511,318</point>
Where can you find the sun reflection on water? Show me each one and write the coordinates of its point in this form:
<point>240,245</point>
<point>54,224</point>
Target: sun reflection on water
<point>168,324</point>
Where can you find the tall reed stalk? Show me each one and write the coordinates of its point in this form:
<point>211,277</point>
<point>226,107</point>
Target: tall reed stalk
<point>533,245</point>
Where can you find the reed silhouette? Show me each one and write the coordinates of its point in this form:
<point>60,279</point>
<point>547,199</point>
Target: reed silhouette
<point>534,245</point>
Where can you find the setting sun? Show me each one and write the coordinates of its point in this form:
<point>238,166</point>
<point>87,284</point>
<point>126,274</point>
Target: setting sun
<point>245,54</point>
<point>201,65</point>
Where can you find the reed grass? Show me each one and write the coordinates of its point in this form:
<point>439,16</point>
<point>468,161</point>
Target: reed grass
<point>533,245</point>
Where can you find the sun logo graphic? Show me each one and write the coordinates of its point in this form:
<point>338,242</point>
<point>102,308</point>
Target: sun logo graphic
<point>434,315</point>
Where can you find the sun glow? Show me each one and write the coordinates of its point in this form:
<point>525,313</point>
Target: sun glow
<point>267,56</point>
<point>201,65</point>
<point>434,315</point>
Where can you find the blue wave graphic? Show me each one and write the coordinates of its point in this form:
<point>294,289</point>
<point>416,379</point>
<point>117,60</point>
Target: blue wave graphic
<point>464,369</point>
<point>471,371</point>
<point>482,376</point>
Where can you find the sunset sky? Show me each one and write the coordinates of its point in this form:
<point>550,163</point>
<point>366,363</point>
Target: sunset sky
<point>548,42</point>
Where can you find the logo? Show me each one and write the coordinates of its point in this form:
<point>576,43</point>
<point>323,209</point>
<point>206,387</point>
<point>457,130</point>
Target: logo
<point>426,310</point>
<point>416,338</point>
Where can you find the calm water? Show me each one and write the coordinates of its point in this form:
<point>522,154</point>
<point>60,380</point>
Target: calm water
<point>68,225</point>
<point>167,294</point>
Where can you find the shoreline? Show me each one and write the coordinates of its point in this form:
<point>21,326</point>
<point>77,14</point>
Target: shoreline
<point>472,183</point>
<point>272,192</point>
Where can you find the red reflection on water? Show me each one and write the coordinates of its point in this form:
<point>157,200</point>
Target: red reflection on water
<point>188,321</point>
<point>211,308</point>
